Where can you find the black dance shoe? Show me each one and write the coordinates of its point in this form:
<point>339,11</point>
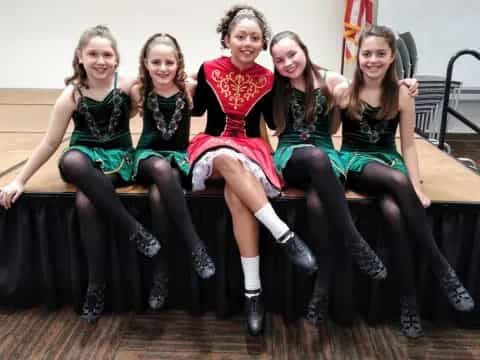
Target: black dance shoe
<point>317,309</point>
<point>94,303</point>
<point>158,292</point>
<point>367,260</point>
<point>202,262</point>
<point>410,323</point>
<point>455,291</point>
<point>146,243</point>
<point>255,312</point>
<point>298,252</point>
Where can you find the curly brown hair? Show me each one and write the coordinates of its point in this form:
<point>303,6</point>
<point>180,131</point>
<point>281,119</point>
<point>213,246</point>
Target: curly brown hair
<point>79,77</point>
<point>144,80</point>
<point>235,14</point>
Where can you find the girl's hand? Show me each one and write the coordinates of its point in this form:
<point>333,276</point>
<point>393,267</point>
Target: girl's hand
<point>424,199</point>
<point>10,193</point>
<point>412,85</point>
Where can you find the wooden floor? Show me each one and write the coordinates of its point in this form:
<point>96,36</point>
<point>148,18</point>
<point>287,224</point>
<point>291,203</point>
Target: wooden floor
<point>39,334</point>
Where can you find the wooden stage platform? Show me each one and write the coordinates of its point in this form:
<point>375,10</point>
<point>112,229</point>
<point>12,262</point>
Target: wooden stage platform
<point>42,261</point>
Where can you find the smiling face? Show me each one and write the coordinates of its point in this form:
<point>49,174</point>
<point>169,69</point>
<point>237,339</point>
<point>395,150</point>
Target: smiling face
<point>99,58</point>
<point>289,58</point>
<point>375,57</point>
<point>162,64</point>
<point>245,42</point>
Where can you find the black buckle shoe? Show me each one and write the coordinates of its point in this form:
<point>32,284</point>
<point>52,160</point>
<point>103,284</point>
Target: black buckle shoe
<point>317,309</point>
<point>367,260</point>
<point>455,291</point>
<point>94,304</point>
<point>410,323</point>
<point>158,292</point>
<point>146,243</point>
<point>202,262</point>
<point>255,312</point>
<point>298,252</point>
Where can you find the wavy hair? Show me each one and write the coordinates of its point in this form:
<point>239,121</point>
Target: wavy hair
<point>79,77</point>
<point>144,80</point>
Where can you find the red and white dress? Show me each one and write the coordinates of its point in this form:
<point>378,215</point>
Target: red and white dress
<point>235,101</point>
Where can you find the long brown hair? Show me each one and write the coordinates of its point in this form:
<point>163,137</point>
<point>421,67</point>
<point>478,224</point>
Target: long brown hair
<point>79,77</point>
<point>390,92</point>
<point>144,81</point>
<point>282,88</point>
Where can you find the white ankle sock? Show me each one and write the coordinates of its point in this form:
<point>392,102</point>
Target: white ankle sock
<point>251,273</point>
<point>268,217</point>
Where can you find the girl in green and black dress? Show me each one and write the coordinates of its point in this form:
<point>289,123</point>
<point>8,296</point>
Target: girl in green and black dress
<point>99,157</point>
<point>373,107</point>
<point>161,158</point>
<point>303,112</point>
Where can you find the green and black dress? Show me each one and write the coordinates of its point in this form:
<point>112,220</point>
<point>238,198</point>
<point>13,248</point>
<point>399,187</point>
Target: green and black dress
<point>370,139</point>
<point>102,132</point>
<point>299,134</point>
<point>166,130</point>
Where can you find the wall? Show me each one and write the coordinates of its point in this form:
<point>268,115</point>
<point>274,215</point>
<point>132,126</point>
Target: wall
<point>37,38</point>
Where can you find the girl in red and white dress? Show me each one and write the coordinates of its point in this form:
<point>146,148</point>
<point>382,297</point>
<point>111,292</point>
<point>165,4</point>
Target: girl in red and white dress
<point>236,91</point>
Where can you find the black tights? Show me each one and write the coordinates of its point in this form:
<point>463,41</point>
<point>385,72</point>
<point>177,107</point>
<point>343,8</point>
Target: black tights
<point>160,228</point>
<point>378,180</point>
<point>78,169</point>
<point>400,245</point>
<point>323,246</point>
<point>95,198</point>
<point>170,195</point>
<point>309,169</point>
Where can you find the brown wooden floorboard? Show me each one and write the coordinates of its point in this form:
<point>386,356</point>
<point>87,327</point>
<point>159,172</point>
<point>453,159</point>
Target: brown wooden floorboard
<point>40,334</point>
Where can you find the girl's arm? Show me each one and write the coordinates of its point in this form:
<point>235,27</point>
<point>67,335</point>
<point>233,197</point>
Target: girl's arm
<point>128,85</point>
<point>59,119</point>
<point>337,85</point>
<point>409,152</point>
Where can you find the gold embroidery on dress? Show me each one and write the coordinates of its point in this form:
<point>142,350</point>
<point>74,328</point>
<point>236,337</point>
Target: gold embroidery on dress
<point>238,88</point>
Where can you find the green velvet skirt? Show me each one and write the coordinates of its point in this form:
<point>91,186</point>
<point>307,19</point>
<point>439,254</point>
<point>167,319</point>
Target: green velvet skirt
<point>356,160</point>
<point>284,153</point>
<point>177,159</point>
<point>110,161</point>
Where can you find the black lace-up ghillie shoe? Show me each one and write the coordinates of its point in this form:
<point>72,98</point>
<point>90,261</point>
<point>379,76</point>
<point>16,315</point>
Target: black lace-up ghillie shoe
<point>202,262</point>
<point>158,292</point>
<point>298,252</point>
<point>146,243</point>
<point>94,303</point>
<point>455,291</point>
<point>367,260</point>
<point>255,312</point>
<point>317,309</point>
<point>410,322</point>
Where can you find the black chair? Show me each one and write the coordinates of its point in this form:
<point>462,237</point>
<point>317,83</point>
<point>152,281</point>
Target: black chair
<point>399,66</point>
<point>402,50</point>
<point>412,51</point>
